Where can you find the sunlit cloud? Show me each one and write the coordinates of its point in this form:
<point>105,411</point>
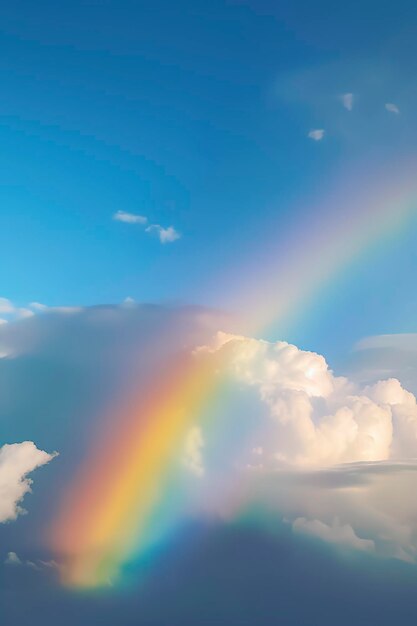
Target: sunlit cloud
<point>16,462</point>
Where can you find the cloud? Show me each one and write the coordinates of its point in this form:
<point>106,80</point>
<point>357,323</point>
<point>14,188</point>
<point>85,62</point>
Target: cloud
<point>23,312</point>
<point>286,435</point>
<point>316,134</point>
<point>316,418</point>
<point>6,306</point>
<point>129,218</point>
<point>338,534</point>
<point>12,559</point>
<point>37,306</point>
<point>347,100</point>
<point>166,235</point>
<point>335,453</point>
<point>383,357</point>
<point>16,462</point>
<point>13,312</point>
<point>193,457</point>
<point>392,108</point>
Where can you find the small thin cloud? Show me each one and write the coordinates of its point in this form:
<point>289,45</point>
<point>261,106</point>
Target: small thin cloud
<point>129,218</point>
<point>392,108</point>
<point>165,235</point>
<point>14,560</point>
<point>316,134</point>
<point>129,302</point>
<point>347,100</point>
<point>37,306</point>
<point>193,452</point>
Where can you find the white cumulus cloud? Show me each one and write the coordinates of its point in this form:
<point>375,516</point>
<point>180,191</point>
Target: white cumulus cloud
<point>335,453</point>
<point>16,462</point>
<point>316,418</point>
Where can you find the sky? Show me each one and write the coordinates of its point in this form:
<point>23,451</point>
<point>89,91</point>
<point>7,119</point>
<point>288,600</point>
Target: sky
<point>208,349</point>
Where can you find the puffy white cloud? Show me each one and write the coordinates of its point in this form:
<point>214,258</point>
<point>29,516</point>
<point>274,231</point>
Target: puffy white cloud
<point>316,134</point>
<point>392,108</point>
<point>315,418</point>
<point>334,452</point>
<point>193,456</point>
<point>347,100</point>
<point>16,462</point>
<point>129,218</point>
<point>165,235</point>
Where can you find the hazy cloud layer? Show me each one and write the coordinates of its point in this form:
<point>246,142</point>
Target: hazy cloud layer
<point>330,455</point>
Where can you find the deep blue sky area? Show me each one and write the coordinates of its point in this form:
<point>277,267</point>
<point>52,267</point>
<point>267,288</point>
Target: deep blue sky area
<point>206,153</point>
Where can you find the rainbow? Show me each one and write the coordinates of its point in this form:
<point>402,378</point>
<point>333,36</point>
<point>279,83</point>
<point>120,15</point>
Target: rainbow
<point>112,498</point>
<point>290,271</point>
<point>107,514</point>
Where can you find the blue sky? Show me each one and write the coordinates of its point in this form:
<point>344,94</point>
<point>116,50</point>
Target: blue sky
<point>247,129</point>
<point>195,116</point>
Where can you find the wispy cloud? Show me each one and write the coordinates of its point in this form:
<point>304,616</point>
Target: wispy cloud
<point>347,100</point>
<point>129,218</point>
<point>37,306</point>
<point>166,235</point>
<point>193,457</point>
<point>14,560</point>
<point>339,534</point>
<point>6,306</point>
<point>316,134</point>
<point>392,108</point>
